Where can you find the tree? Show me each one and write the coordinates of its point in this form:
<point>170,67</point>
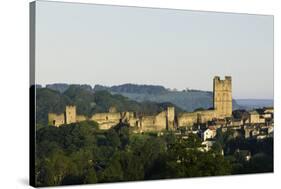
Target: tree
<point>185,160</point>
<point>113,138</point>
<point>113,171</point>
<point>90,177</point>
<point>132,166</point>
<point>54,169</point>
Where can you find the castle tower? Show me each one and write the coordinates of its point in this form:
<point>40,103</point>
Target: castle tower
<point>222,96</point>
<point>70,114</point>
<point>170,117</point>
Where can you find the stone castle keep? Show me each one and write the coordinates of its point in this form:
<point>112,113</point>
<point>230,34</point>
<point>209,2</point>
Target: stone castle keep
<point>165,120</point>
<point>222,96</point>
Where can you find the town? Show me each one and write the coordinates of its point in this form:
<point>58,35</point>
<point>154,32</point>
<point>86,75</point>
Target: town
<point>256,123</point>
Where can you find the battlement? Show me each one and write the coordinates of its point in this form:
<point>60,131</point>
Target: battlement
<point>227,78</point>
<point>217,79</point>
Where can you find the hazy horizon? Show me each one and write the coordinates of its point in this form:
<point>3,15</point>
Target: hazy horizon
<point>113,45</point>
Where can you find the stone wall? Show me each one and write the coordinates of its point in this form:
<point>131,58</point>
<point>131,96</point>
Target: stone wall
<point>256,118</point>
<point>190,118</point>
<point>187,119</point>
<point>81,118</point>
<point>206,115</point>
<point>56,119</point>
<point>131,119</point>
<point>126,116</point>
<point>134,122</point>
<point>106,120</point>
<point>153,123</point>
<point>161,121</point>
<point>147,123</point>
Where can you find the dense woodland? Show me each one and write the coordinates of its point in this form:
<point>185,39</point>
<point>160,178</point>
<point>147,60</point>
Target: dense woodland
<point>81,153</point>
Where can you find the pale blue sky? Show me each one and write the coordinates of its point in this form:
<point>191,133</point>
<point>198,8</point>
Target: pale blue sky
<point>112,45</point>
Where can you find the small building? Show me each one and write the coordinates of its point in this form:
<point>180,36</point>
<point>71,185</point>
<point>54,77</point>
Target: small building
<point>268,110</point>
<point>209,133</point>
<point>207,145</point>
<point>236,122</point>
<point>255,117</point>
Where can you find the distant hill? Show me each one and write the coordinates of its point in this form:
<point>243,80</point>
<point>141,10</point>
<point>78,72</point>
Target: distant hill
<point>188,100</point>
<point>62,87</point>
<point>254,103</point>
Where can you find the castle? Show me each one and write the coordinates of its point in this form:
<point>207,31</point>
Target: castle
<point>165,120</point>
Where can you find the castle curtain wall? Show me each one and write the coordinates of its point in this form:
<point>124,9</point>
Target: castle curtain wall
<point>56,119</point>
<point>222,100</point>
